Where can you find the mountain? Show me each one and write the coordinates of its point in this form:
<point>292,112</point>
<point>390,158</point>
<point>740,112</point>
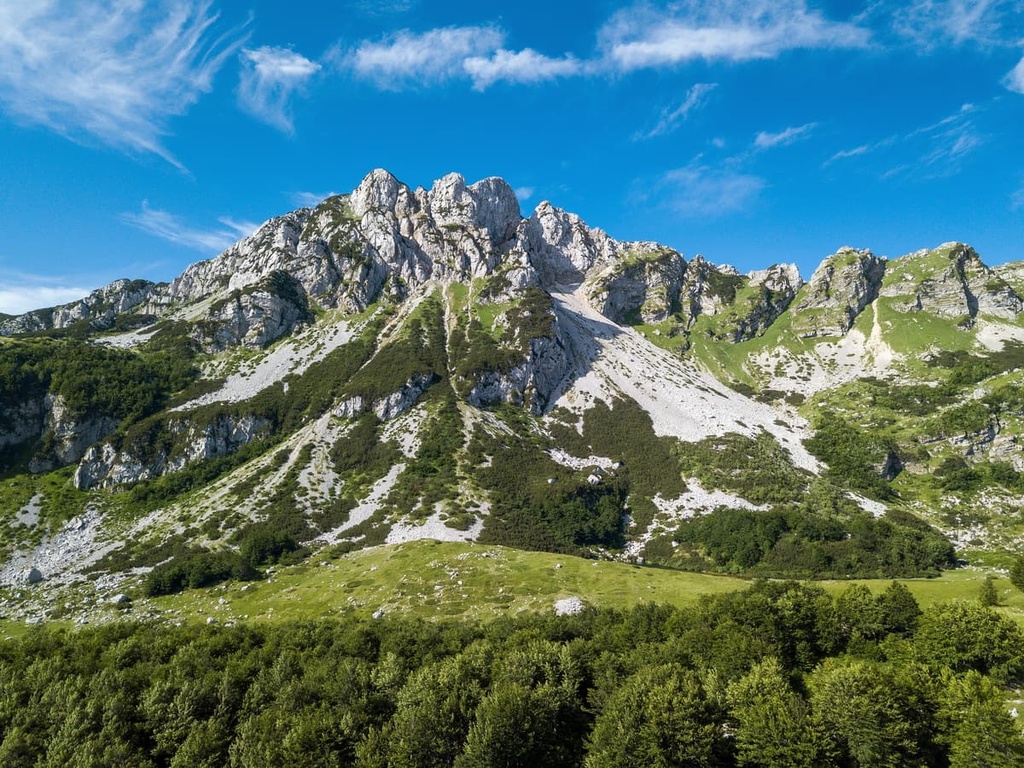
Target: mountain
<point>396,364</point>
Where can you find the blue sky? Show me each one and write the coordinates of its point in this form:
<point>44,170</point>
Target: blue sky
<point>138,136</point>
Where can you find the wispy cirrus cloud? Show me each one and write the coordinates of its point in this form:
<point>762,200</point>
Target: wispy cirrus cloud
<point>672,118</point>
<point>1017,198</point>
<point>114,71</point>
<point>174,229</point>
<point>378,8</point>
<point>941,147</point>
<point>269,78</point>
<point>310,199</point>
<point>766,140</point>
<point>732,30</point>
<point>933,23</point>
<point>702,191</point>
<point>524,193</point>
<point>1014,79</point>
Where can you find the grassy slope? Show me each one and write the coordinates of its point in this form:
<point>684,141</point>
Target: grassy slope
<point>496,581</point>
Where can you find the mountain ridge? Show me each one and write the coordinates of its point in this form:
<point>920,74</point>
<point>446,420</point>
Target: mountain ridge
<point>387,364</point>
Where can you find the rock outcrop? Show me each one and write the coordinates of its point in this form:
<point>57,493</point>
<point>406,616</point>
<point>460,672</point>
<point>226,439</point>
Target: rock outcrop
<point>839,290</point>
<point>952,282</point>
<point>67,435</point>
<point>256,316</point>
<point>104,465</point>
<point>22,421</point>
<point>639,287</point>
<point>776,287</point>
<point>535,382</point>
<point>707,289</point>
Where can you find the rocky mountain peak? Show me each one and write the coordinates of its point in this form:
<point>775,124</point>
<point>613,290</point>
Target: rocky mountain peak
<point>839,290</point>
<point>490,205</point>
<point>950,281</point>
<point>378,190</point>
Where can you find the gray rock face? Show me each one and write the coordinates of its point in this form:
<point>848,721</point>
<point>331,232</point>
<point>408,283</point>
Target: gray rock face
<point>104,466</point>
<point>747,305</point>
<point>639,287</point>
<point>391,406</point>
<point>707,289</point>
<point>272,247</point>
<point>562,249</point>
<point>950,281</point>
<point>777,286</point>
<point>22,421</point>
<point>535,382</point>
<point>839,290</point>
<point>70,435</point>
<point>255,317</point>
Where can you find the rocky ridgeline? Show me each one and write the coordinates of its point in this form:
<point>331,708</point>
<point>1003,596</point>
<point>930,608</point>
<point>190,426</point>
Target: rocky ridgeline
<point>98,310</point>
<point>385,240</point>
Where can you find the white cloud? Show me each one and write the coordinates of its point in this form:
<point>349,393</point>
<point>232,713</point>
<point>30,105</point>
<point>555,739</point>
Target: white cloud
<point>526,66</point>
<point>1015,78</point>
<point>441,55</point>
<point>765,140</point>
<point>310,199</point>
<point>843,154</point>
<point>269,78</point>
<point>1017,199</point>
<point>670,119</point>
<point>383,7</point>
<point>940,147</point>
<point>733,30</point>
<point>931,23</point>
<point>408,58</point>
<point>113,70</point>
<point>20,293</point>
<point>524,193</point>
<point>702,191</point>
<point>951,139</point>
<point>174,229</point>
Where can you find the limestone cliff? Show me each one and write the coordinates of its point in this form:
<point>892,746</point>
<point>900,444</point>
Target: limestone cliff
<point>839,290</point>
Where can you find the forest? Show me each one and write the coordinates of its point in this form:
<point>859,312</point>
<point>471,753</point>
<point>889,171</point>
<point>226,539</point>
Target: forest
<point>779,674</point>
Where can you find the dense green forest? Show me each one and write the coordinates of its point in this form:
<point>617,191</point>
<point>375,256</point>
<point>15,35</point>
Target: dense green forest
<point>780,674</point>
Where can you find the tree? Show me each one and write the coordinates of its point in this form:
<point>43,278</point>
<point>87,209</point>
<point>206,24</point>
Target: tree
<point>860,614</point>
<point>660,717</point>
<point>987,594</point>
<point>1017,573</point>
<point>962,636</point>
<point>434,711</point>
<point>976,725</point>
<point>773,722</point>
<point>519,726</point>
<point>899,608</point>
<point>868,714</point>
